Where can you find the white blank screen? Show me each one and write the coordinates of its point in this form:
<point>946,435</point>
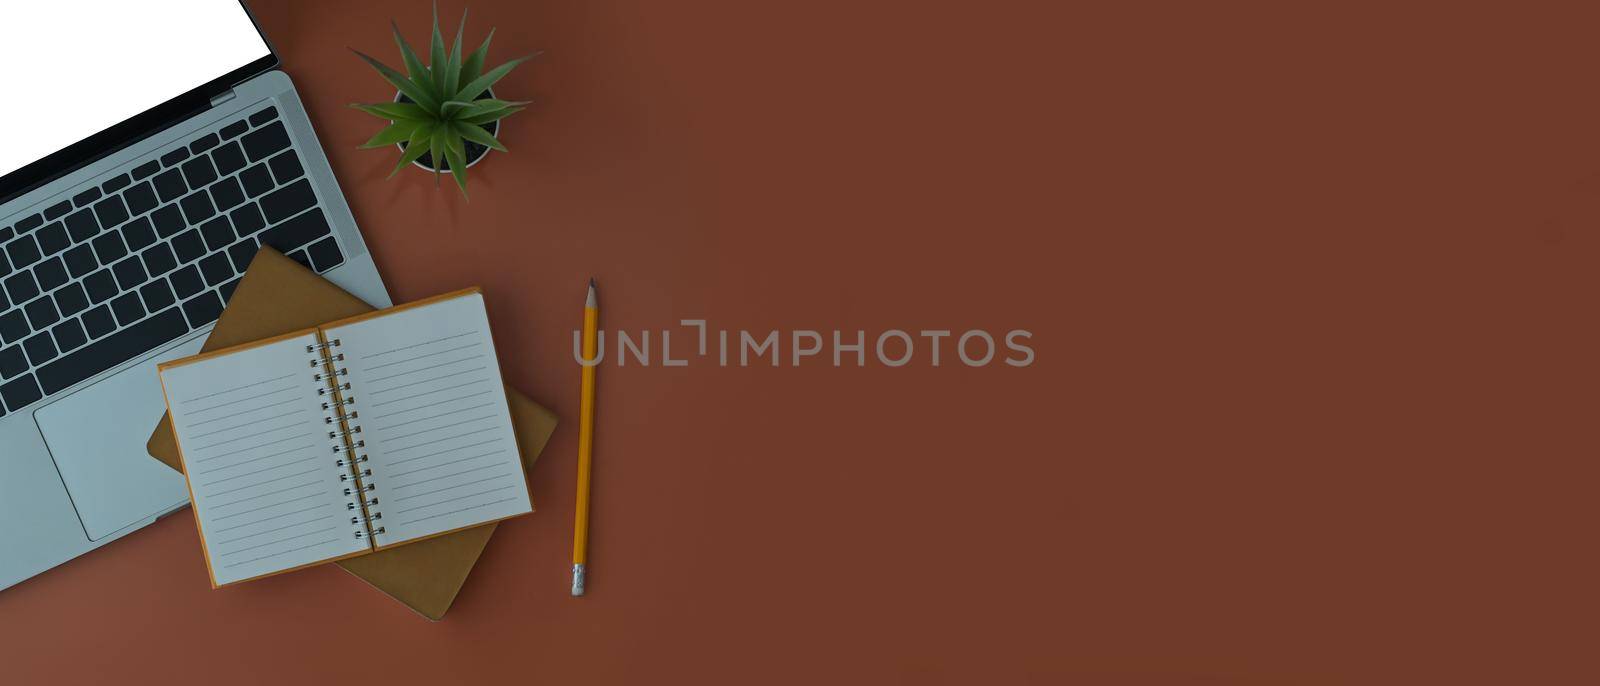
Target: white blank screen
<point>73,68</point>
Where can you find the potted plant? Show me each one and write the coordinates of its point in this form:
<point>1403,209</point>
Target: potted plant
<point>445,117</point>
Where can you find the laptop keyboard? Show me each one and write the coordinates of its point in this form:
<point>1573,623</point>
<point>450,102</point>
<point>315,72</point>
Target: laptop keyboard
<point>149,255</point>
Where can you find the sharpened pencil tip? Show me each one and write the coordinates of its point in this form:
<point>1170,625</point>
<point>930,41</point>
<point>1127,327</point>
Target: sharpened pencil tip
<point>590,300</point>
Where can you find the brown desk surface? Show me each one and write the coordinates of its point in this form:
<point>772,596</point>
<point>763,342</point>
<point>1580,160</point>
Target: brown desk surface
<point>1312,295</point>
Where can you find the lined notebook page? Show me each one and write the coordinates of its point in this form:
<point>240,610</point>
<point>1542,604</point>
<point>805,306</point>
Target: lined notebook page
<point>261,470</point>
<point>432,409</point>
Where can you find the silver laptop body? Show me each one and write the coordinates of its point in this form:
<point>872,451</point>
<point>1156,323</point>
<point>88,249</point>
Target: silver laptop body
<point>123,261</point>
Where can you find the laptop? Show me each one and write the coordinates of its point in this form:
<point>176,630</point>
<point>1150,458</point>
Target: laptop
<point>151,152</point>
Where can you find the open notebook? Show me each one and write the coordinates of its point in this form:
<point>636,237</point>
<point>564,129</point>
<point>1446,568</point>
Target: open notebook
<point>358,435</point>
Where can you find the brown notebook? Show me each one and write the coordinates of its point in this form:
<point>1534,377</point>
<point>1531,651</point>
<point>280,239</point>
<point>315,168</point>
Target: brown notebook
<point>278,296</point>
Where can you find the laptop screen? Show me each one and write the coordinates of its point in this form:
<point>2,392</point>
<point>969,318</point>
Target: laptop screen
<point>74,68</point>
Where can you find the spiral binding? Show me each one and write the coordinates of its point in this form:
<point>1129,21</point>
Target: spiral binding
<point>344,433</point>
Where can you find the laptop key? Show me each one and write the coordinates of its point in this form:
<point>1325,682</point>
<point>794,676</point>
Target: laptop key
<point>80,260</point>
<point>159,260</point>
<point>24,251</point>
<point>112,350</point>
<point>226,290</point>
<point>111,211</point>
<point>29,223</point>
<point>21,287</point>
<point>82,225</point>
<point>241,253</point>
<point>227,194</point>
<point>186,281</point>
<point>175,157</point>
<point>168,221</point>
<point>157,295</point>
<point>20,392</point>
<point>58,210</point>
<point>202,309</point>
<point>13,326</point>
<point>12,362</point>
<point>51,273</point>
<point>229,158</point>
<point>140,198</point>
<point>204,143</point>
<point>247,219</point>
<point>256,180</point>
<point>144,171</point>
<point>197,207</point>
<point>127,308</point>
<point>199,172</point>
<point>217,232</point>
<point>264,116</point>
<point>301,257</point>
<point>109,247</point>
<point>70,335</point>
<point>296,232</point>
<point>130,272</point>
<point>53,238</point>
<point>288,201</point>
<point>234,129</point>
<point>41,313</point>
<point>86,197</point>
<point>41,348</point>
<point>98,322</point>
<point>286,167</point>
<point>116,183</point>
<point>189,246</point>
<point>325,254</point>
<point>216,268</point>
<point>170,185</point>
<point>263,142</point>
<point>71,299</point>
<point>139,234</point>
<point>7,234</point>
<point>100,285</point>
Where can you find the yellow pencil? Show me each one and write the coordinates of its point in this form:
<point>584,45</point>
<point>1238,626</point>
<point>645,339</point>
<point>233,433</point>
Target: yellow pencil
<point>580,525</point>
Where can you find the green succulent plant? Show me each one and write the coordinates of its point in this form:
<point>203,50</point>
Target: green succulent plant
<point>448,104</point>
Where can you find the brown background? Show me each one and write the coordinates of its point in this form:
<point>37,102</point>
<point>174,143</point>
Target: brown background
<point>1312,295</point>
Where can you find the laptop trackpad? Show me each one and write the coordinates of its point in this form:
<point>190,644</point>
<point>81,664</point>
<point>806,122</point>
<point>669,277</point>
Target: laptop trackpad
<point>97,436</point>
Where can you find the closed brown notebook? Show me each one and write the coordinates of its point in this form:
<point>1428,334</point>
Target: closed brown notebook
<point>278,296</point>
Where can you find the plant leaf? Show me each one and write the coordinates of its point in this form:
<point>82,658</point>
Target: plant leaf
<point>394,111</point>
<point>416,148</point>
<point>486,106</point>
<point>391,134</point>
<point>452,141</point>
<point>458,165</point>
<point>436,150</point>
<point>452,72</point>
<point>438,61</point>
<point>414,66</point>
<point>490,116</point>
<point>477,134</point>
<point>451,107</point>
<point>472,90</point>
<point>473,67</point>
<point>422,97</point>
<point>482,105</point>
